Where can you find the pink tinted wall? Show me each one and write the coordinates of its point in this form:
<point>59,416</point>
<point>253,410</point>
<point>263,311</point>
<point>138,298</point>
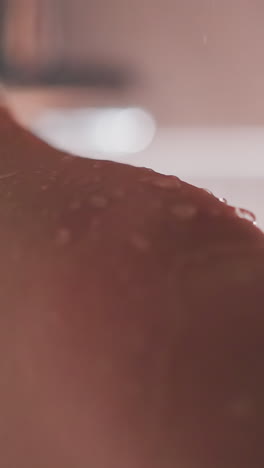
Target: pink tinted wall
<point>196,62</point>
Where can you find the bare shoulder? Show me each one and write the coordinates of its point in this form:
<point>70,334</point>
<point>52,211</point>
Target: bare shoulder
<point>131,314</point>
<point>108,220</point>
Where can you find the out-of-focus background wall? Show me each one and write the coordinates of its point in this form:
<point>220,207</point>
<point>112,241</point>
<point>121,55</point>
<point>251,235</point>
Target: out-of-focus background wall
<point>174,85</point>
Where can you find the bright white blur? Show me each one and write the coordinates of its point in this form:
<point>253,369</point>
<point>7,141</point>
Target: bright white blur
<point>106,132</point>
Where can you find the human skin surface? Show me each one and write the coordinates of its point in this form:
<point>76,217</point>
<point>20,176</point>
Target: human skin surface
<point>131,325</point>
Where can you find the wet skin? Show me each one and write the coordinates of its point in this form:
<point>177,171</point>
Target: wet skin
<point>131,325</point>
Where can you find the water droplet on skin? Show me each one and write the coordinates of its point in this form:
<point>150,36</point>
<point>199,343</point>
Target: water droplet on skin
<point>119,193</point>
<point>140,242</point>
<point>63,236</point>
<point>8,175</point>
<point>97,164</point>
<point>167,182</point>
<point>145,178</point>
<point>67,158</point>
<point>209,191</point>
<point>44,188</point>
<point>185,211</point>
<point>75,205</point>
<point>53,177</point>
<point>246,214</point>
<point>215,211</point>
<point>99,201</point>
<point>223,200</point>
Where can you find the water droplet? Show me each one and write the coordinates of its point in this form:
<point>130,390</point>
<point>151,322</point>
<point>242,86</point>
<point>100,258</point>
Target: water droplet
<point>8,175</point>
<point>63,236</point>
<point>75,205</point>
<point>119,193</point>
<point>184,211</point>
<point>140,242</point>
<point>53,176</point>
<point>99,201</point>
<point>149,171</point>
<point>167,182</point>
<point>44,188</point>
<point>67,158</point>
<point>223,200</point>
<point>246,214</point>
<point>97,164</point>
<point>209,191</point>
<point>215,211</point>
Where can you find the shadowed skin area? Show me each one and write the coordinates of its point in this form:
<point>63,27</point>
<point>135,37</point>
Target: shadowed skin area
<point>131,325</point>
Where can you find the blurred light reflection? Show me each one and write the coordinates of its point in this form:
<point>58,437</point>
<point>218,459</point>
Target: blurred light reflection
<point>110,131</point>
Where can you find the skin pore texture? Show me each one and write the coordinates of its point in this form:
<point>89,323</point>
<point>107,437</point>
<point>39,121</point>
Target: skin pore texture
<point>131,324</point>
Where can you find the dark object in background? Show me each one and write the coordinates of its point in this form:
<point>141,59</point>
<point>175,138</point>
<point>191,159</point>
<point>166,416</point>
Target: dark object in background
<point>65,75</point>
<point>35,49</point>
